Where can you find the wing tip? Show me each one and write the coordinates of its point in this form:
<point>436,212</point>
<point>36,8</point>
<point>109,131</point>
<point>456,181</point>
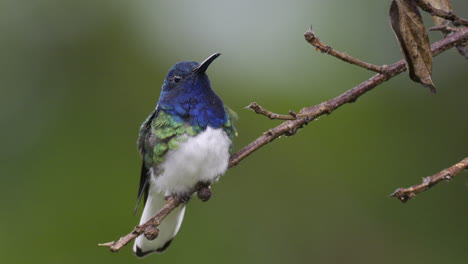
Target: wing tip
<point>137,251</point>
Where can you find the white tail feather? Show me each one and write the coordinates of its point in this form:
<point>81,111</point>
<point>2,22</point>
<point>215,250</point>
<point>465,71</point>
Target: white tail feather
<point>167,230</point>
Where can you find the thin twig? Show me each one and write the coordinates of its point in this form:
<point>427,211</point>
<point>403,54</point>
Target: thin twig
<point>290,127</point>
<point>444,29</point>
<point>262,111</point>
<point>315,41</point>
<point>456,21</point>
<point>405,194</point>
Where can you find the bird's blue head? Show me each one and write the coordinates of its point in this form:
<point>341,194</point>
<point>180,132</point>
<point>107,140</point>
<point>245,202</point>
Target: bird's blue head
<point>187,95</point>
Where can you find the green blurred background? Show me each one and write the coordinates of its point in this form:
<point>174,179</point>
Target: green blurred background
<point>79,77</point>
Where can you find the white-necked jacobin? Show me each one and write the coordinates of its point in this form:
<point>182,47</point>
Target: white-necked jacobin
<point>184,142</point>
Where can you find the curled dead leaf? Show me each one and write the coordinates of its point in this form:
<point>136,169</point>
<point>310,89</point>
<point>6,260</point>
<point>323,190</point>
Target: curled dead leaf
<point>409,29</point>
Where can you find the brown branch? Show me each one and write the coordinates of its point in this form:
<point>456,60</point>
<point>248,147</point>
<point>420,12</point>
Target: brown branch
<point>405,194</point>
<point>319,45</point>
<point>289,128</point>
<point>456,21</point>
<point>310,113</point>
<point>149,229</point>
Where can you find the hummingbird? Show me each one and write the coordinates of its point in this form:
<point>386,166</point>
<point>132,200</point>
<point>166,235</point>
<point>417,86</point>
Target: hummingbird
<point>185,141</point>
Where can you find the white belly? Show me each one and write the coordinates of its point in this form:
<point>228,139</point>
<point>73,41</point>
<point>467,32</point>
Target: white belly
<point>203,157</point>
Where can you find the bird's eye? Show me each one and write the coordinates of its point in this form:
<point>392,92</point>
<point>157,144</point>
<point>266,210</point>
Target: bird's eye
<point>177,79</point>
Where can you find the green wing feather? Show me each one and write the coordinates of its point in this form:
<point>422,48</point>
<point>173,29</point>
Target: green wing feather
<point>141,142</point>
<point>159,133</point>
<point>168,135</point>
<point>229,125</point>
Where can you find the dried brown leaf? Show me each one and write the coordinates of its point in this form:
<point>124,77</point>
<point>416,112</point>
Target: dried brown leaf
<point>445,5</point>
<point>407,24</point>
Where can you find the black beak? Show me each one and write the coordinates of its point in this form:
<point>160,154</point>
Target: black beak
<point>204,65</point>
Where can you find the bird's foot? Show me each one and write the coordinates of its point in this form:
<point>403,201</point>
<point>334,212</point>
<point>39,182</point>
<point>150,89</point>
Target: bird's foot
<point>204,192</point>
<point>184,197</point>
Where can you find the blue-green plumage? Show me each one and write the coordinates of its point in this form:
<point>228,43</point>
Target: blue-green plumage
<point>185,140</point>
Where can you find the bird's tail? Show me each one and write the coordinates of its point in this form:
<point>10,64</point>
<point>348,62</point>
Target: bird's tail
<point>167,230</point>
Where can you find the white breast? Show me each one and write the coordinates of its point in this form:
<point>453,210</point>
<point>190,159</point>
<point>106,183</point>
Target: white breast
<point>203,157</point>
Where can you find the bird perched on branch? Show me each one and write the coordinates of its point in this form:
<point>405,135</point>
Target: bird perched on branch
<point>185,142</point>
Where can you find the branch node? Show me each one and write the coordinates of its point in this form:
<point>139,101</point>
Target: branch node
<point>252,106</point>
<point>326,49</point>
<point>402,195</point>
<point>327,108</point>
<point>426,180</point>
<point>291,130</point>
<point>385,70</point>
<point>270,132</point>
<point>151,232</point>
